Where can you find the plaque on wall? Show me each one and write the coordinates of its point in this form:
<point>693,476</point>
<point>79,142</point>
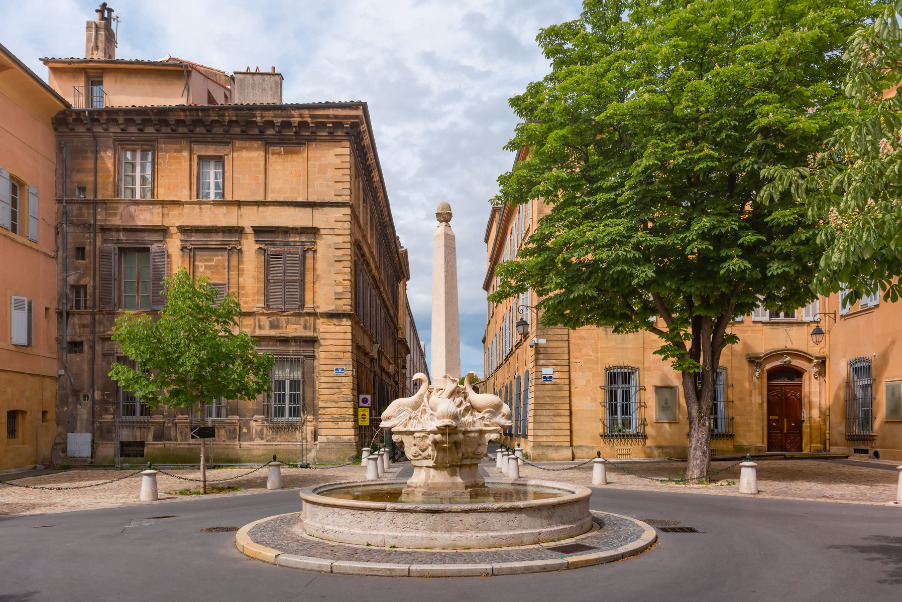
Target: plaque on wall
<point>666,404</point>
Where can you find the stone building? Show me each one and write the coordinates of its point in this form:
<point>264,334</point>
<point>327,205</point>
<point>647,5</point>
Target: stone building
<point>575,392</point>
<point>282,205</point>
<point>28,330</point>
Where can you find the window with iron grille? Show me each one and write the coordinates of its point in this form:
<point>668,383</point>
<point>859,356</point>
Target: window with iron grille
<point>721,421</point>
<point>517,408</point>
<point>286,400</point>
<point>79,294</point>
<point>524,412</point>
<point>624,413</point>
<point>12,424</point>
<point>217,410</point>
<point>129,404</point>
<point>859,400</point>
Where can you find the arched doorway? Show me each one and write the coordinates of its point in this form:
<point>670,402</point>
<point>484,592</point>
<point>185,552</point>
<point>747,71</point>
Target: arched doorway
<point>784,410</point>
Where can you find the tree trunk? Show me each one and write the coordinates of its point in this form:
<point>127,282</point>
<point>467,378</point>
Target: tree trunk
<point>203,466</point>
<point>699,402</point>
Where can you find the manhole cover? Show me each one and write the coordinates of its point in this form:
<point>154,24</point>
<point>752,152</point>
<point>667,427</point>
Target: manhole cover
<point>659,522</point>
<point>219,529</point>
<point>159,517</point>
<point>571,548</point>
<point>678,529</point>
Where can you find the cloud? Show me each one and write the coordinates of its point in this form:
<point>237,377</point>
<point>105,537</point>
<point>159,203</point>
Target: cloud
<point>436,76</point>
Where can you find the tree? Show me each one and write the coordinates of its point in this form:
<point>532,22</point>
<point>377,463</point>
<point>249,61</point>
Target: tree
<point>192,354</point>
<point>853,182</point>
<point>648,139</point>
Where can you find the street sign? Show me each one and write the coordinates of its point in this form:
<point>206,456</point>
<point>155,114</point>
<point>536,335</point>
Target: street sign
<point>203,432</point>
<point>340,371</point>
<point>363,416</point>
<point>547,375</point>
<point>364,401</point>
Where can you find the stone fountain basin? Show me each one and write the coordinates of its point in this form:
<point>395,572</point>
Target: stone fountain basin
<point>446,526</point>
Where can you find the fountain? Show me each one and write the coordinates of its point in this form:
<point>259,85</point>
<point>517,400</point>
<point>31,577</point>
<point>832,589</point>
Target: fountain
<point>445,429</point>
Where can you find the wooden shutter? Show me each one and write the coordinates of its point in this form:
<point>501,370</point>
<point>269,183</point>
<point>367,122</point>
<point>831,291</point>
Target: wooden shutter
<point>843,307</point>
<point>294,280</point>
<point>221,290</point>
<point>275,269</point>
<point>759,314</point>
<point>5,199</point>
<point>158,273</point>
<point>809,312</point>
<point>107,276</point>
<point>33,214</point>
<point>30,324</point>
<point>18,321</point>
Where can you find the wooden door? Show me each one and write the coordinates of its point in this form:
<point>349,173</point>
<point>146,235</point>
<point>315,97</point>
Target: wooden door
<point>784,417</point>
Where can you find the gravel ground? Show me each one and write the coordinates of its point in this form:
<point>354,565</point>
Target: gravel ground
<point>792,479</point>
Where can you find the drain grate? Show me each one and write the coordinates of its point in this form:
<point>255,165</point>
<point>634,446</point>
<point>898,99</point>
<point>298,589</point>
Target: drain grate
<point>219,529</point>
<point>659,522</point>
<point>571,548</point>
<point>678,529</point>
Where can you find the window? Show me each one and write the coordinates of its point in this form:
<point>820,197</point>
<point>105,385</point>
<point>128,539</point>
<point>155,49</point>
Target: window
<point>75,346</point>
<point>859,400</point>
<point>870,300</point>
<point>810,311</point>
<point>81,192</point>
<point>129,404</point>
<point>135,270</point>
<point>286,399</point>
<point>137,174</point>
<point>209,178</point>
<point>21,322</point>
<point>217,410</point>
<point>131,278</point>
<point>79,295</point>
<point>79,253</point>
<point>843,305</point>
<point>12,424</point>
<point>721,422</point>
<point>14,189</point>
<point>517,409</point>
<point>285,279</point>
<point>524,412</point>
<point>781,315</point>
<point>622,409</point>
<point>95,93</point>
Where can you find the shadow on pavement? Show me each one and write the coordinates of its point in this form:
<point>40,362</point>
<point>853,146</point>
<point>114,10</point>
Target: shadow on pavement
<point>886,550</point>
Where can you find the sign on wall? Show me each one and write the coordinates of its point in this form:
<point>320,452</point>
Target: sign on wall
<point>363,416</point>
<point>340,371</point>
<point>364,401</point>
<point>547,375</point>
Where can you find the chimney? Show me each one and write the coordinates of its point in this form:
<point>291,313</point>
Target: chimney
<point>256,87</point>
<point>100,39</point>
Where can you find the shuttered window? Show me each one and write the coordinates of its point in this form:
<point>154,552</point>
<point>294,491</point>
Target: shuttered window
<point>284,279</point>
<point>131,278</point>
<point>14,206</point>
<point>4,199</point>
<point>135,293</point>
<point>32,214</point>
<point>810,311</point>
<point>21,330</point>
<point>137,174</point>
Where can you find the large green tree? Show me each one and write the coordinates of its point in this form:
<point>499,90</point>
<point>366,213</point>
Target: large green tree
<point>192,353</point>
<point>853,183</point>
<point>648,139</point>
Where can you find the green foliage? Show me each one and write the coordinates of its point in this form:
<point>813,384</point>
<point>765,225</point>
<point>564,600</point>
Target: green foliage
<point>192,352</point>
<point>649,138</point>
<point>852,182</point>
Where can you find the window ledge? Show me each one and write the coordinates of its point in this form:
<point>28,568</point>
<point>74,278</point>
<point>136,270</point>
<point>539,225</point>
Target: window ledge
<point>859,312</point>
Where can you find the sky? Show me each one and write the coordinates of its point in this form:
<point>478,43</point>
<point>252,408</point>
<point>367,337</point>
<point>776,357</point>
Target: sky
<point>436,75</point>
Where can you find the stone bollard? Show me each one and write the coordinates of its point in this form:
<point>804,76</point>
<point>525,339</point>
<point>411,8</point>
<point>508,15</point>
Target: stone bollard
<point>505,463</point>
<point>513,467</point>
<point>149,491</point>
<point>519,454</point>
<point>748,478</point>
<point>386,457</point>
<point>899,487</point>
<point>372,468</point>
<point>380,464</point>
<point>364,454</point>
<point>274,480</point>
<point>498,458</point>
<point>599,472</point>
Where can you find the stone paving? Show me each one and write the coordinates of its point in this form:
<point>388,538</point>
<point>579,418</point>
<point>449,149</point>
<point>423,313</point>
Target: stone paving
<point>793,479</point>
<point>283,533</point>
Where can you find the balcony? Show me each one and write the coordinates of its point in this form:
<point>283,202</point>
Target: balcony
<point>90,97</point>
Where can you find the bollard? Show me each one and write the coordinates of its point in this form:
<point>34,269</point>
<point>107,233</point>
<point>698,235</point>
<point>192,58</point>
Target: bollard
<point>505,468</point>
<point>372,468</point>
<point>513,467</point>
<point>149,486</point>
<point>386,456</point>
<point>599,472</point>
<point>748,478</point>
<point>380,464</point>
<point>364,454</point>
<point>899,487</point>
<point>498,458</point>
<point>274,480</point>
<point>519,454</point>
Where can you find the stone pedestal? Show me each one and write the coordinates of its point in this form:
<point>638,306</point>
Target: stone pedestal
<point>519,453</point>
<point>599,472</point>
<point>364,454</point>
<point>748,478</point>
<point>274,480</point>
<point>513,467</point>
<point>372,468</point>
<point>899,487</point>
<point>149,491</point>
<point>386,459</point>
<point>498,456</point>
<point>380,465</point>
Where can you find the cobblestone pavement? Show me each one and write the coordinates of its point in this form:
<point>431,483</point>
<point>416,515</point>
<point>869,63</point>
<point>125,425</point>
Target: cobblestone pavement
<point>283,533</point>
<point>792,479</point>
<point>16,500</point>
<point>789,479</point>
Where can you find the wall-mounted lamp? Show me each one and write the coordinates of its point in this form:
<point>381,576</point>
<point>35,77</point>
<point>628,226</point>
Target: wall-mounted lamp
<point>522,325</point>
<point>818,334</point>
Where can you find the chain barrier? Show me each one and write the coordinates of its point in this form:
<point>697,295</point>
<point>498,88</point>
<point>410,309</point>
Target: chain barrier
<point>557,469</point>
<point>181,478</point>
<point>48,488</point>
<point>312,467</point>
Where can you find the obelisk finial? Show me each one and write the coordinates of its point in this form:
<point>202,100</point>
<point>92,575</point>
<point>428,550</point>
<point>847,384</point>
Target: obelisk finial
<point>445,317</point>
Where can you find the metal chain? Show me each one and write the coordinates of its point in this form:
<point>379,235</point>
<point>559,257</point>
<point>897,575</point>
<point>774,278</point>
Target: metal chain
<point>169,474</point>
<point>48,488</point>
<point>331,466</point>
<point>671,480</point>
<point>558,469</point>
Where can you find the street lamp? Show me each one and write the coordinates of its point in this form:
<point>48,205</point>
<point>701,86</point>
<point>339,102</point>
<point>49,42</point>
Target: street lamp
<point>522,325</point>
<point>818,334</point>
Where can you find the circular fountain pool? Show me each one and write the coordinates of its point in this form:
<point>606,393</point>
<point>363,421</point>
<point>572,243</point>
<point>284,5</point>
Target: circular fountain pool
<point>516,514</point>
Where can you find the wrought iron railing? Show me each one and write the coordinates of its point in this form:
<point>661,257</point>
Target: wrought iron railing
<point>90,97</point>
<point>859,400</point>
<point>622,411</point>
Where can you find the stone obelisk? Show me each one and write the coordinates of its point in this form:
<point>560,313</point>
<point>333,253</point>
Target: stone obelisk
<point>445,318</point>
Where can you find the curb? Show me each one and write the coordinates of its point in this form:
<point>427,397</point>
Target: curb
<point>249,548</point>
